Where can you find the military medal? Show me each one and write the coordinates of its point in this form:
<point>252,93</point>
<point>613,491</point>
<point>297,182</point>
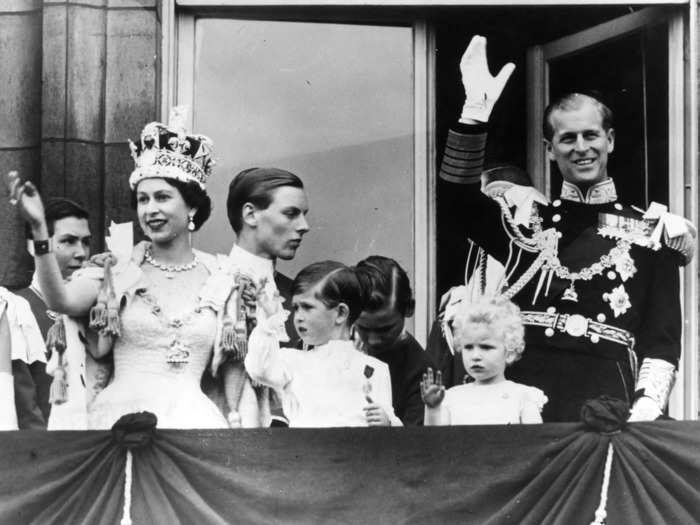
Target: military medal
<point>367,386</point>
<point>619,300</point>
<point>632,230</point>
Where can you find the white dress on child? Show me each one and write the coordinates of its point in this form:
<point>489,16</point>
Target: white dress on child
<point>26,344</point>
<point>8,415</point>
<point>500,403</point>
<point>158,363</point>
<point>322,387</point>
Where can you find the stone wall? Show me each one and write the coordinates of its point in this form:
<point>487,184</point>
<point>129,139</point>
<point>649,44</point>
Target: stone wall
<point>80,78</point>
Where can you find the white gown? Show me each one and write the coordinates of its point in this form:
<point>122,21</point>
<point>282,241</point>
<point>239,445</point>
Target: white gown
<point>8,416</point>
<point>26,344</point>
<point>497,404</point>
<point>147,376</point>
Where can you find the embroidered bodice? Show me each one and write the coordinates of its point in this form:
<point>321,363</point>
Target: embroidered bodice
<point>161,354</point>
<point>157,342</point>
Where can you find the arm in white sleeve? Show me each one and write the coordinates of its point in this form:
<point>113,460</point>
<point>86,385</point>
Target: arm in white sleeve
<point>384,397</point>
<point>438,416</point>
<point>264,361</point>
<point>653,388</point>
<point>8,414</point>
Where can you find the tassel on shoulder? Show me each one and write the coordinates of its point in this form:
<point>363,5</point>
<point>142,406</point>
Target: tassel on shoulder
<point>104,316</point>
<point>56,342</point>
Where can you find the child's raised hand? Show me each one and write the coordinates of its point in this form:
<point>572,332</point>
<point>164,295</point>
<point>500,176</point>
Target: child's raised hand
<point>432,391</point>
<point>270,303</point>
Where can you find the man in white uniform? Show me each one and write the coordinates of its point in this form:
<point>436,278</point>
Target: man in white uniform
<point>267,210</point>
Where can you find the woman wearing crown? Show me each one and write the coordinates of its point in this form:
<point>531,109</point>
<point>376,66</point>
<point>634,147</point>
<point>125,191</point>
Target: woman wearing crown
<point>160,310</point>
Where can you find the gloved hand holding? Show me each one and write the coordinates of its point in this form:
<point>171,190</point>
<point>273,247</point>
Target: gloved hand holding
<point>644,409</point>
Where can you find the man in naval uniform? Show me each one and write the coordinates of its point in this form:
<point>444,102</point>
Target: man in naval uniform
<point>597,281</point>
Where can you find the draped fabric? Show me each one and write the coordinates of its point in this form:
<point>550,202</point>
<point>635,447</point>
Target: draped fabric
<point>525,474</point>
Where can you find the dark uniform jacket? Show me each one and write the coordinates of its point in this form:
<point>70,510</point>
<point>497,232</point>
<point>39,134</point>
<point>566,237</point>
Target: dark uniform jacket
<point>407,362</point>
<point>582,340</point>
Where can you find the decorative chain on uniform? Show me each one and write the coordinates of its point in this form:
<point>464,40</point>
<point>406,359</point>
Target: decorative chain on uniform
<point>621,249</point>
<point>525,277</point>
<point>548,246</point>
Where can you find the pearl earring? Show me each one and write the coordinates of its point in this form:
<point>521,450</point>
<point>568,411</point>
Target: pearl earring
<point>190,224</point>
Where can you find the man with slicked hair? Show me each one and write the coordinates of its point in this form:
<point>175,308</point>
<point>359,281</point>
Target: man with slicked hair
<point>596,280</point>
<point>267,210</point>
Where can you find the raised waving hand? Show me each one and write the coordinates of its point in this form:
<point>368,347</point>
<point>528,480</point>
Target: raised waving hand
<point>482,89</point>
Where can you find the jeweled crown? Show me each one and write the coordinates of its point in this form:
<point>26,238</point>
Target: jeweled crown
<point>169,152</point>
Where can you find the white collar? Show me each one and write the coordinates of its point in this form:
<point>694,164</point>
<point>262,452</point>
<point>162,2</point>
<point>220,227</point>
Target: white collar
<point>34,286</point>
<point>243,257</point>
<point>600,193</point>
<point>335,348</point>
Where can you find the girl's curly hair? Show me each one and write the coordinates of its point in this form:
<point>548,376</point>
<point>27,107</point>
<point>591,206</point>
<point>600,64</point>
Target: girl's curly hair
<point>502,318</point>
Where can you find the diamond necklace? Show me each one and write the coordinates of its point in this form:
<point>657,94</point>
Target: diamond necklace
<point>170,269</point>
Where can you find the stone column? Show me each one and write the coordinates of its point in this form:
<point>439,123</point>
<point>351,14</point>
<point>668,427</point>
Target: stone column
<point>80,78</point>
<point>20,132</point>
<point>132,97</point>
<point>100,70</point>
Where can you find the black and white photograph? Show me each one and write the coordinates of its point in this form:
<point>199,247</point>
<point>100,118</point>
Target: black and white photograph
<point>349,262</point>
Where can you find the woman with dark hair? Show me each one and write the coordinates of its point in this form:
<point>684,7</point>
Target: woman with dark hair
<point>160,313</point>
<point>333,384</point>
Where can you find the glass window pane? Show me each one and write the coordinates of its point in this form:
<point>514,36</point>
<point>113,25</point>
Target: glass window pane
<point>332,103</point>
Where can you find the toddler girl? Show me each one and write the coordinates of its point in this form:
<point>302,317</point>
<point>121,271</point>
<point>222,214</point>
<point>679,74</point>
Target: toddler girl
<point>333,384</point>
<point>489,336</point>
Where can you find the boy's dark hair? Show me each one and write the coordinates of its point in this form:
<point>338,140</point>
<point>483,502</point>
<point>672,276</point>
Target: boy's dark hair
<point>573,101</point>
<point>338,284</point>
<point>59,208</point>
<point>384,282</point>
<point>193,195</point>
<point>255,185</point>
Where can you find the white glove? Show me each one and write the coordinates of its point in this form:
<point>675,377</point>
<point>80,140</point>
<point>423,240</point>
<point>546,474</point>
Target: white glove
<point>481,89</point>
<point>644,409</point>
<point>656,378</point>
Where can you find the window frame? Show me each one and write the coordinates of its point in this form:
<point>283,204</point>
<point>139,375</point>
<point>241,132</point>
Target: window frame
<point>178,22</point>
<point>179,42</point>
<point>682,163</point>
